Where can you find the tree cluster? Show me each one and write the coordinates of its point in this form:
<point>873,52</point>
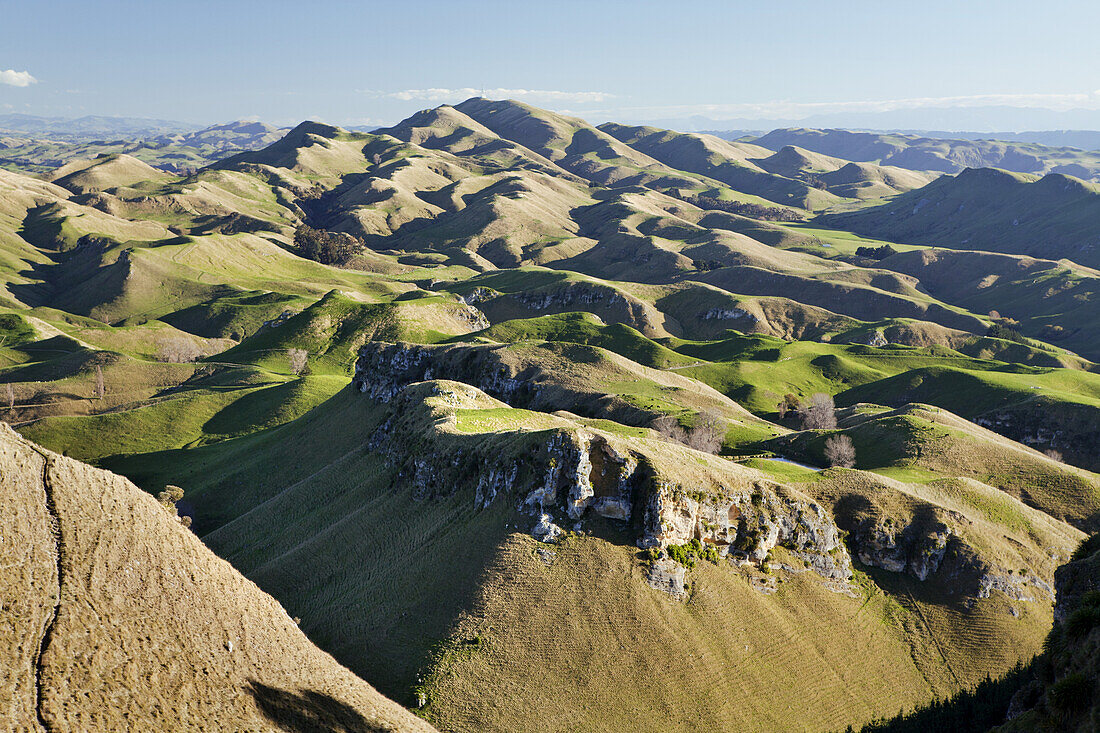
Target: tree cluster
<point>753,211</point>
<point>705,435</point>
<point>328,248</point>
<point>1001,331</point>
<point>817,414</point>
<point>876,253</point>
<point>811,179</point>
<point>178,350</point>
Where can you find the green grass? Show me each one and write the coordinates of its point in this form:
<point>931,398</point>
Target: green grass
<point>191,417</point>
<point>503,419</point>
<point>584,328</point>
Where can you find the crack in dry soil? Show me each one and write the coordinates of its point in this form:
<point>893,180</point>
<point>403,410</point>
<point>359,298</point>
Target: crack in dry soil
<point>47,634</point>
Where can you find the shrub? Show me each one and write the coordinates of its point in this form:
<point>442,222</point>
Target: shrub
<point>682,554</point>
<point>168,499</point>
<point>790,403</point>
<point>1082,621</point>
<point>688,554</point>
<point>747,538</point>
<point>1071,693</point>
<point>170,496</point>
<point>1087,548</point>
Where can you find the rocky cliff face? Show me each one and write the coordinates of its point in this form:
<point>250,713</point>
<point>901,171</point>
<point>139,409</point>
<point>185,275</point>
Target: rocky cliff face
<point>611,305</point>
<point>1037,423</point>
<point>568,474</point>
<point>564,474</point>
<point>545,377</point>
<point>923,548</point>
<point>1076,578</point>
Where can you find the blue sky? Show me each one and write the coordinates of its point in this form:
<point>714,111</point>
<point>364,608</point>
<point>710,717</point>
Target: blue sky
<point>375,62</point>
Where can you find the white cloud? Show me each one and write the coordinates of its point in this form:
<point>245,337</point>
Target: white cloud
<point>796,110</point>
<point>14,78</point>
<point>457,95</point>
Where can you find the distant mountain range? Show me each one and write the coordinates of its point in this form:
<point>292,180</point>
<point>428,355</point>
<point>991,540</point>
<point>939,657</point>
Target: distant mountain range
<point>919,153</point>
<point>90,126</point>
<point>984,120</point>
<point>174,151</point>
<point>1080,139</point>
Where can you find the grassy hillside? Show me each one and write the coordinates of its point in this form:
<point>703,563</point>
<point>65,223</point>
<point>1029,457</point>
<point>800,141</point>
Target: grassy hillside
<point>466,589</point>
<point>992,210</point>
<point>925,443</point>
<point>374,361</point>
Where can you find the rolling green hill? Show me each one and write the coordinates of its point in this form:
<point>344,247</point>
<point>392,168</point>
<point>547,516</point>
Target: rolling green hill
<point>491,400</point>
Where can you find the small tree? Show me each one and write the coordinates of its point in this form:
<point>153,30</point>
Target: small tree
<point>790,403</point>
<point>1053,454</point>
<point>329,248</point>
<point>820,414</point>
<point>11,397</point>
<point>708,433</point>
<point>99,389</point>
<point>839,451</point>
<point>298,359</point>
<point>669,428</point>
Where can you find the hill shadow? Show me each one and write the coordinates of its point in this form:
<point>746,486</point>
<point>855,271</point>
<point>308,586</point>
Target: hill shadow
<point>309,711</point>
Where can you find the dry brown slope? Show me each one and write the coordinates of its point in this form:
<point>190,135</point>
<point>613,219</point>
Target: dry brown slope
<point>115,617</point>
